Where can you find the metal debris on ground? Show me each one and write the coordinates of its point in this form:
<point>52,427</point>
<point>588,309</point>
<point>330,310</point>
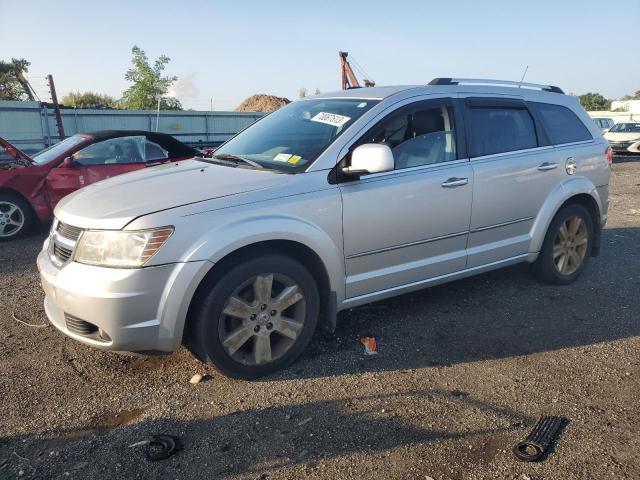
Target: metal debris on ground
<point>539,440</point>
<point>159,447</point>
<point>304,422</point>
<point>370,347</point>
<point>35,325</point>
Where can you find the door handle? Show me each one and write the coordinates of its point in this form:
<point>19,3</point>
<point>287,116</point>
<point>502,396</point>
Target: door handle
<point>547,166</point>
<point>455,182</point>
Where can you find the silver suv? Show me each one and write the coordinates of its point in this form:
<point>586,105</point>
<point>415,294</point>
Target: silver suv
<point>326,204</point>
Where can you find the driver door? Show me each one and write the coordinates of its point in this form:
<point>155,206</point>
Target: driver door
<point>98,161</point>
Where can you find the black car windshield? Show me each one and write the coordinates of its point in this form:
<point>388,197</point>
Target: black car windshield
<point>48,154</point>
<point>625,128</point>
<point>292,138</point>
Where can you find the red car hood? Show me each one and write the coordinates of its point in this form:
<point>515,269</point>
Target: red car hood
<point>19,158</point>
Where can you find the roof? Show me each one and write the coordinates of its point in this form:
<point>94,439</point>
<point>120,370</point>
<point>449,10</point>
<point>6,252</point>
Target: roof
<point>175,147</point>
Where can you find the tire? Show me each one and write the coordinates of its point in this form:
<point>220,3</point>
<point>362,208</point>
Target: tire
<point>574,246</point>
<point>16,217</point>
<point>230,334</point>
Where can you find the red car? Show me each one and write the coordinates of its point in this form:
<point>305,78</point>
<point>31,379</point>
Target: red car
<point>30,187</point>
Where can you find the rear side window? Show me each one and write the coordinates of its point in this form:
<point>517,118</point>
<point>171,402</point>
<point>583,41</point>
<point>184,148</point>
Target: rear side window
<point>498,130</point>
<point>153,151</point>
<point>560,124</point>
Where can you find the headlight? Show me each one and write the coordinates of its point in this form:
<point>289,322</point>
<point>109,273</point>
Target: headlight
<point>120,248</point>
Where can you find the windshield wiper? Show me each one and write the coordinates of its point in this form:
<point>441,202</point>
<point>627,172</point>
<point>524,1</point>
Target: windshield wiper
<point>236,159</point>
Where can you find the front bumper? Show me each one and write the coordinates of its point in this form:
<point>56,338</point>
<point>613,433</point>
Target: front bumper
<point>621,146</point>
<point>133,310</point>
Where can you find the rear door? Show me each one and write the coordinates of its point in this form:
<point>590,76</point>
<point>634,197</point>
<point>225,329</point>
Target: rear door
<point>102,160</point>
<point>514,170</point>
<point>410,224</point>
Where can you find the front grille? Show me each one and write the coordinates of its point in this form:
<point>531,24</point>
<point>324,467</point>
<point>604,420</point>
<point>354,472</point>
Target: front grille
<point>61,253</point>
<point>79,326</point>
<point>68,231</point>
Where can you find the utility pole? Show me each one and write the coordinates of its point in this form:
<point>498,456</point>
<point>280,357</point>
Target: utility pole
<point>56,106</point>
<point>158,114</point>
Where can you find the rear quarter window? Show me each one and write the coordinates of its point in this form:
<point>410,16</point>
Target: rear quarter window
<point>560,124</point>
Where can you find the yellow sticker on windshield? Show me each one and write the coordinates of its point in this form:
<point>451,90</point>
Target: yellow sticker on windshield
<point>282,157</point>
<point>294,159</point>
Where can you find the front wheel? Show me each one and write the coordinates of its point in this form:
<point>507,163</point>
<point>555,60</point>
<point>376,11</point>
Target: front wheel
<point>16,217</point>
<point>258,317</point>
<point>567,246</point>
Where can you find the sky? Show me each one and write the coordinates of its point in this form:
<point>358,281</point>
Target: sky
<point>225,51</point>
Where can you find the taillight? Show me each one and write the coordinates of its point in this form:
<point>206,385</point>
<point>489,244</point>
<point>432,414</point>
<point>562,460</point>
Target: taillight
<point>609,153</point>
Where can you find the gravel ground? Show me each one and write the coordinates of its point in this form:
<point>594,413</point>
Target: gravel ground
<point>463,372</point>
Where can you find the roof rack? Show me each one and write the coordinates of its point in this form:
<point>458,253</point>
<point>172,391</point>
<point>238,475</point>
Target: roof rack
<point>483,81</point>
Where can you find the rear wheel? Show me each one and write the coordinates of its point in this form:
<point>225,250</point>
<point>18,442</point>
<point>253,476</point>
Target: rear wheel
<point>567,246</point>
<point>16,217</point>
<point>258,317</point>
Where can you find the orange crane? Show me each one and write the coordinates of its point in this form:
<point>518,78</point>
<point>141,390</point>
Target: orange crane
<point>349,79</point>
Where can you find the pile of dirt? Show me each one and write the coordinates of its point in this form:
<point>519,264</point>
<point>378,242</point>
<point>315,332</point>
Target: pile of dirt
<point>262,103</point>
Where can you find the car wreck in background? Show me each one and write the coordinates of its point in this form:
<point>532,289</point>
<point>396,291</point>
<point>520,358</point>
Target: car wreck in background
<point>31,186</point>
<point>624,137</point>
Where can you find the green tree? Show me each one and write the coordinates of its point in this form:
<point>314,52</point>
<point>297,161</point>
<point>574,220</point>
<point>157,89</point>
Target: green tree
<point>149,84</point>
<point>594,101</point>
<point>13,84</point>
<point>304,93</point>
<point>89,100</point>
<point>635,96</point>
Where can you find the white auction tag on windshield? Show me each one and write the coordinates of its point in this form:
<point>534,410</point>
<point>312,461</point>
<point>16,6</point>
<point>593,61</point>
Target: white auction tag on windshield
<point>331,119</point>
<point>282,157</point>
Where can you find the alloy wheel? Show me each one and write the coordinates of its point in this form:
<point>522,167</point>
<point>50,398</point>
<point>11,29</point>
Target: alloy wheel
<point>570,245</point>
<point>262,318</point>
<point>11,219</point>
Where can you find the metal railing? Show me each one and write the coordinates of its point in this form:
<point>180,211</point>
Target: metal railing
<point>31,125</point>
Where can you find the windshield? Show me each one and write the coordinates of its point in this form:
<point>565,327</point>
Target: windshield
<point>48,154</point>
<point>626,128</point>
<point>292,138</point>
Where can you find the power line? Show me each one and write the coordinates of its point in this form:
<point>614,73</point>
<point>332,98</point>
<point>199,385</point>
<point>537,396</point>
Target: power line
<point>361,70</point>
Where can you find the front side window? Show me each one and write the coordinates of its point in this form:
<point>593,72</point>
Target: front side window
<point>418,137</point>
<point>498,130</point>
<point>292,138</point>
<point>561,124</point>
<point>121,150</point>
<point>54,151</point>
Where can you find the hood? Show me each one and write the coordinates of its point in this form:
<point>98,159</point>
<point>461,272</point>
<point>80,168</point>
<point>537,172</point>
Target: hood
<point>622,136</point>
<point>113,203</point>
<point>17,158</point>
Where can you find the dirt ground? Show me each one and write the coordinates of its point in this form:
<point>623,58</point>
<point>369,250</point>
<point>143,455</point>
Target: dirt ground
<point>464,370</point>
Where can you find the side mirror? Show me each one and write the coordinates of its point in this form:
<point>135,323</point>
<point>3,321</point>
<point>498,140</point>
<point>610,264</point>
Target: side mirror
<point>68,162</point>
<point>370,158</point>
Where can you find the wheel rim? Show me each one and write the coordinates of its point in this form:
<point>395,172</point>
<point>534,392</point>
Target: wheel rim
<point>11,219</point>
<point>570,245</point>
<point>262,318</point>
